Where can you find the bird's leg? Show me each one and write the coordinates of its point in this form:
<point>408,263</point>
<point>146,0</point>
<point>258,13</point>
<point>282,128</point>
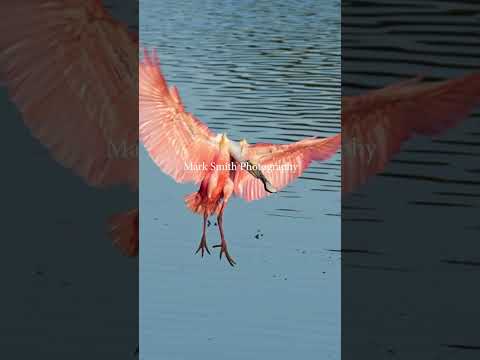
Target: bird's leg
<point>223,244</point>
<point>203,242</point>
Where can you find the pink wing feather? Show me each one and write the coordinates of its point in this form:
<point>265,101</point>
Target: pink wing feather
<point>71,70</point>
<point>386,118</point>
<point>300,153</point>
<point>172,137</point>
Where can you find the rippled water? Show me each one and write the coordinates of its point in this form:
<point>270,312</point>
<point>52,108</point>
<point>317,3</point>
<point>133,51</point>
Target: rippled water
<point>413,229</point>
<point>384,43</point>
<point>269,72</point>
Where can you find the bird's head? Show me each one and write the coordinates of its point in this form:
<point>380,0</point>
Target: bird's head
<point>224,140</point>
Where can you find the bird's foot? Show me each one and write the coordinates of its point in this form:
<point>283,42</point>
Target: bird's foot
<point>224,250</point>
<point>203,246</point>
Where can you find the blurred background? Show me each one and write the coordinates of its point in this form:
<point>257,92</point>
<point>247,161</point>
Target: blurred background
<point>70,294</point>
<point>410,235</point>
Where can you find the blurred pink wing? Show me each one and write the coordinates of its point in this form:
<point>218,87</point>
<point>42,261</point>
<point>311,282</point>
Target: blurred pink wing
<point>71,71</point>
<point>172,137</point>
<point>385,118</point>
<point>278,162</point>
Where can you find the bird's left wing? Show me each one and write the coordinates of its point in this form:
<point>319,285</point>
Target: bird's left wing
<point>174,138</point>
<point>281,164</point>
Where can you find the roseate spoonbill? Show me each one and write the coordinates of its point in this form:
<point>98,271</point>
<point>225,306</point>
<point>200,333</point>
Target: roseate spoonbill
<point>185,148</point>
<point>384,119</point>
<point>71,69</point>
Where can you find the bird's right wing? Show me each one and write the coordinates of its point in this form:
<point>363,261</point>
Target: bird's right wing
<point>173,138</point>
<point>375,125</point>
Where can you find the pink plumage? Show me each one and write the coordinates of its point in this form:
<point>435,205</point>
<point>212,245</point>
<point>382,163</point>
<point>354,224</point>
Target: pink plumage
<point>282,164</point>
<point>172,136</point>
<point>174,139</point>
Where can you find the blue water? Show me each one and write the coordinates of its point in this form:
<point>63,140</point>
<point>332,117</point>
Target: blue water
<point>266,71</point>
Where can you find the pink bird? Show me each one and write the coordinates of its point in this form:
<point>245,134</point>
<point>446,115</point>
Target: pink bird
<point>187,150</point>
<point>376,124</point>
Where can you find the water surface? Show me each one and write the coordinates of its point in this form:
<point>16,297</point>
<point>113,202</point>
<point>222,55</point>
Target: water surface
<point>269,72</point>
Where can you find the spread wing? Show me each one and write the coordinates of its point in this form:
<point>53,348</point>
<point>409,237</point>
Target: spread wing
<point>173,137</point>
<point>71,71</point>
<point>375,125</point>
<point>281,164</point>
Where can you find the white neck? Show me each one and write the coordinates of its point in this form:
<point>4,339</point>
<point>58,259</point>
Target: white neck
<point>236,151</point>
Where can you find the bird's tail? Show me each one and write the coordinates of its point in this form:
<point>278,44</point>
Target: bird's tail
<point>123,230</point>
<point>193,201</point>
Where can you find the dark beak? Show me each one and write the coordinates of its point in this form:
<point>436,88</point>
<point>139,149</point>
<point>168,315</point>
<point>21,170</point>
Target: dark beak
<point>254,171</point>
